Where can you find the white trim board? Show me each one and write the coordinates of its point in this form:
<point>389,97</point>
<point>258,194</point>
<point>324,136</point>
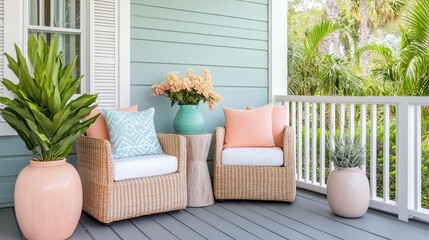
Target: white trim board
<point>277,48</point>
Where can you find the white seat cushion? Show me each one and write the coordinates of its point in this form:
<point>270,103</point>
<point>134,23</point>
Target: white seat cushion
<point>253,156</point>
<point>143,166</point>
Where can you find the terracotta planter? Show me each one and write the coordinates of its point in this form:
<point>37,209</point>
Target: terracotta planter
<point>48,200</point>
<point>348,192</point>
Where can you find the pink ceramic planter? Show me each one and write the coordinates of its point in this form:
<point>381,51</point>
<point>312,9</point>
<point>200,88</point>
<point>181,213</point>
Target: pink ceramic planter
<point>348,192</point>
<point>48,200</point>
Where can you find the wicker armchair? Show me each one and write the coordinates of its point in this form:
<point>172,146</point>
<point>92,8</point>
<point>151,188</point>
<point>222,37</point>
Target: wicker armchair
<point>108,200</point>
<point>255,182</point>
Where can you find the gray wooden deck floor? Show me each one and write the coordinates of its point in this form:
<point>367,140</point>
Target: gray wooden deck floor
<point>309,217</point>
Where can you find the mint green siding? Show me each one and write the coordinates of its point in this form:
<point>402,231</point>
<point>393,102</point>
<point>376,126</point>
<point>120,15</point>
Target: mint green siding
<point>229,37</point>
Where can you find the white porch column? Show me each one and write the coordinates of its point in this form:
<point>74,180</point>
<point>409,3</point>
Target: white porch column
<point>405,162</point>
<point>277,48</point>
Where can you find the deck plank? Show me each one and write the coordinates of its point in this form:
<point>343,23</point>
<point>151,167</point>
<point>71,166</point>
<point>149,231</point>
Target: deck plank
<point>96,229</point>
<point>8,226</point>
<point>205,229</point>
<point>179,229</point>
<point>80,234</point>
<point>225,226</point>
<point>263,221</point>
<point>152,229</point>
<point>290,222</point>
<point>370,222</point>
<point>127,230</point>
<point>327,225</point>
<point>242,222</point>
<point>309,217</point>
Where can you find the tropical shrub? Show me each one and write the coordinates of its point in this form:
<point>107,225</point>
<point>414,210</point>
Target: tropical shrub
<point>43,112</point>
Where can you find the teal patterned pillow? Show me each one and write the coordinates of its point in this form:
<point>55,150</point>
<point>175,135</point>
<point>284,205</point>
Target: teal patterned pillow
<point>132,133</point>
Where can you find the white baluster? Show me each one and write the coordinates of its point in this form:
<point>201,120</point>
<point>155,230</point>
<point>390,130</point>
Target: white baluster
<point>299,145</point>
<point>418,156</point>
<point>314,144</point>
<point>386,153</point>
<point>363,134</point>
<point>307,141</point>
<point>373,161</point>
<point>352,121</point>
<point>332,133</point>
<point>293,125</point>
<point>322,143</point>
<point>342,119</point>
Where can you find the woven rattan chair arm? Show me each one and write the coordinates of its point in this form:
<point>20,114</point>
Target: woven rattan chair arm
<point>219,133</point>
<point>94,160</point>
<point>288,147</point>
<point>175,145</point>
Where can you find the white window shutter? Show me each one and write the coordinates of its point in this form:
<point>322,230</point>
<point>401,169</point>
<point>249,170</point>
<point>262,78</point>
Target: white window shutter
<point>2,88</point>
<point>104,52</point>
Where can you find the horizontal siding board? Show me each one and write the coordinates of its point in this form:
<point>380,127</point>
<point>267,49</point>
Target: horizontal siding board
<point>12,165</point>
<point>219,7</point>
<point>197,17</point>
<point>12,146</point>
<point>264,2</point>
<point>148,74</point>
<point>7,186</point>
<point>161,52</point>
<point>197,28</point>
<point>187,38</point>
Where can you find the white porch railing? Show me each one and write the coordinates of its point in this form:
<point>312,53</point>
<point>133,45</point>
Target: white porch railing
<point>389,127</point>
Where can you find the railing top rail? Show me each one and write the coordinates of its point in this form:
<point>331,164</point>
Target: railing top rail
<point>354,100</point>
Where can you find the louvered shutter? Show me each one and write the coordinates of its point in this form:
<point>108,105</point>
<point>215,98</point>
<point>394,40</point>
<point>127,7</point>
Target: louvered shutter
<point>104,46</point>
<point>2,89</point>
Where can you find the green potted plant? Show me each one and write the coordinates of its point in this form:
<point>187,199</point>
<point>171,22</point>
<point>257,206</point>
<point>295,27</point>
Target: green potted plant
<point>48,192</point>
<point>348,187</point>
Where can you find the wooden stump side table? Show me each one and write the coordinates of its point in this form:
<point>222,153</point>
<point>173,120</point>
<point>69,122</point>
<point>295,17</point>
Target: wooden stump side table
<point>200,191</point>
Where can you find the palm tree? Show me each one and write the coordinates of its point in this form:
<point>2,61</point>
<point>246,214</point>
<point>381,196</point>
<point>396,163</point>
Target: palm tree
<point>333,40</point>
<point>315,73</point>
<point>377,13</point>
<point>409,70</point>
<point>364,36</point>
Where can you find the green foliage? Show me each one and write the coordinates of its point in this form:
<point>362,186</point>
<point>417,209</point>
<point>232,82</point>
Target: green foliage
<point>312,73</point>
<point>43,112</point>
<point>346,153</point>
<point>407,71</point>
<point>185,97</point>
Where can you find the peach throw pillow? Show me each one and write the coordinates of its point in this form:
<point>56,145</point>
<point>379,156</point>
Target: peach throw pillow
<point>249,128</point>
<point>99,128</point>
<point>278,117</point>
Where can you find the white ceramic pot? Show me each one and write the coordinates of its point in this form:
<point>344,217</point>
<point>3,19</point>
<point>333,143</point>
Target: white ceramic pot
<point>48,200</point>
<point>348,192</point>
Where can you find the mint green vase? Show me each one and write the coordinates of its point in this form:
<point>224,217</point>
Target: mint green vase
<point>188,120</point>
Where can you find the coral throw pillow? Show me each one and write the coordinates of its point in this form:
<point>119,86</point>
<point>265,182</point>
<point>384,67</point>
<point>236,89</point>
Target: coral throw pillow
<point>278,117</point>
<point>249,128</point>
<point>99,128</point>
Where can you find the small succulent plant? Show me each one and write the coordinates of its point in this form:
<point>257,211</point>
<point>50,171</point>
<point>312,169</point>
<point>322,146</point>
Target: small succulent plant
<point>346,153</point>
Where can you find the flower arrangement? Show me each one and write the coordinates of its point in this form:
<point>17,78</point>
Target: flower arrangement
<point>188,90</point>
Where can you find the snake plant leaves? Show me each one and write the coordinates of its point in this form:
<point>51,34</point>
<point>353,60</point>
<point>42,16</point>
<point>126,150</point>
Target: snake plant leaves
<point>43,112</point>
